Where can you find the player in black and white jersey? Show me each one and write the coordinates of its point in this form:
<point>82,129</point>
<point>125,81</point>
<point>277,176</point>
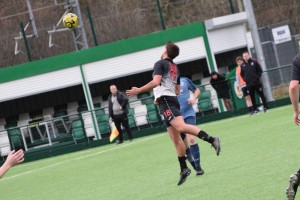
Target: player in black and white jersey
<point>166,76</point>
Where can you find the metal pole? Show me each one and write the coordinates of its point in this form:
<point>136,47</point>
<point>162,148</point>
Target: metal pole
<point>257,44</point>
<point>25,41</point>
<point>160,15</point>
<point>89,103</point>
<point>32,21</point>
<point>240,5</point>
<point>231,7</point>
<point>92,25</point>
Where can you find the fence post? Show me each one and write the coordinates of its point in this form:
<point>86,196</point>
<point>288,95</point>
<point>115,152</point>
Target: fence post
<point>231,7</point>
<point>92,25</point>
<point>160,15</point>
<point>25,41</point>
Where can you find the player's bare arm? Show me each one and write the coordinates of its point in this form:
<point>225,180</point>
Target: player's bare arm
<point>149,86</point>
<point>294,96</point>
<point>177,89</point>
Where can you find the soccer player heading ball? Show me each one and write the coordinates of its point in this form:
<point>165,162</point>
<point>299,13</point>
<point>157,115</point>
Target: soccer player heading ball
<point>166,79</point>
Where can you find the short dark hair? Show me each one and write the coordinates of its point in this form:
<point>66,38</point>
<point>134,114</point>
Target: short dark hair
<point>213,73</point>
<point>172,50</point>
<point>239,58</point>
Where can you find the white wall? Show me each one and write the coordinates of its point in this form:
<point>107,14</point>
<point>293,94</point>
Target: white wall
<point>227,39</point>
<point>142,61</point>
<point>40,83</point>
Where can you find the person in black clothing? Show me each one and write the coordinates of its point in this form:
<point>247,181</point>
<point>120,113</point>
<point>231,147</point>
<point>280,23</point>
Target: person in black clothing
<point>294,180</point>
<point>220,84</point>
<point>251,72</point>
<point>117,105</point>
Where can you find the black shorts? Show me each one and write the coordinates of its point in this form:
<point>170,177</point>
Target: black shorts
<point>245,91</point>
<point>223,95</point>
<point>169,108</point>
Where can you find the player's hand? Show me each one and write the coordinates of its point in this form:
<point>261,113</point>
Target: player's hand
<point>191,101</point>
<point>155,102</point>
<point>134,91</point>
<point>296,118</point>
<point>14,158</point>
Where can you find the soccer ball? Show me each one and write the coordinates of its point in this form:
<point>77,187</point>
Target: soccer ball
<point>70,20</point>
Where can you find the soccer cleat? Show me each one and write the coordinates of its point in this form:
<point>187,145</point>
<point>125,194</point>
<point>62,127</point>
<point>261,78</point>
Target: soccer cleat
<point>291,190</point>
<point>265,110</point>
<point>183,175</point>
<point>217,145</point>
<point>199,171</point>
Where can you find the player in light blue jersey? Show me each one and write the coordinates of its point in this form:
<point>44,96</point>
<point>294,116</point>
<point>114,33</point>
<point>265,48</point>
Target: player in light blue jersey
<point>186,102</point>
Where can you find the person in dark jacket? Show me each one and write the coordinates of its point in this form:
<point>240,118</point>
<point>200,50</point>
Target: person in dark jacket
<point>251,72</point>
<point>220,84</point>
<point>117,105</point>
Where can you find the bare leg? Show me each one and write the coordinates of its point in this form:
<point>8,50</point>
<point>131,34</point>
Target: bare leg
<point>228,104</point>
<point>191,139</point>
<point>177,141</point>
<point>248,101</point>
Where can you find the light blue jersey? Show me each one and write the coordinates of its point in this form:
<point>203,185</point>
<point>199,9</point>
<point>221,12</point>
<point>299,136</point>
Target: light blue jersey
<point>186,85</point>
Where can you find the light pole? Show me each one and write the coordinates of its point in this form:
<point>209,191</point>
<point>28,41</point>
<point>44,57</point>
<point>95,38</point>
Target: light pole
<point>258,48</point>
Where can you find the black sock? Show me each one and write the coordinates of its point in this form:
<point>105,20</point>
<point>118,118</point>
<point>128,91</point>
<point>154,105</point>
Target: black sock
<point>182,162</point>
<point>204,136</point>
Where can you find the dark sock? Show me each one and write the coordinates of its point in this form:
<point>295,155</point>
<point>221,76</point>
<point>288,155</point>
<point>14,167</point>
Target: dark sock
<point>195,151</point>
<point>298,172</point>
<point>182,162</point>
<point>190,157</point>
<point>204,136</point>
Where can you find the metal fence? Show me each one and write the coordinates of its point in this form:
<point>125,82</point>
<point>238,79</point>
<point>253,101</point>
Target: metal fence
<point>61,129</point>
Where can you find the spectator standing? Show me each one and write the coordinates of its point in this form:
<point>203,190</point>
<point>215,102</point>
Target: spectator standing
<point>251,72</point>
<point>220,84</point>
<point>117,105</point>
<point>242,84</point>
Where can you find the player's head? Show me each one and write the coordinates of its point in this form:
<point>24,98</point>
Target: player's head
<point>214,75</point>
<point>246,56</point>
<point>239,60</point>
<point>113,89</point>
<point>171,51</point>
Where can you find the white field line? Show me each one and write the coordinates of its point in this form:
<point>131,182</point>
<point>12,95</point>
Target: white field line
<point>82,157</point>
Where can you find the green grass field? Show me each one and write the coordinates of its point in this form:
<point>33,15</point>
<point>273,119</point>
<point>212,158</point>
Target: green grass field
<point>258,155</point>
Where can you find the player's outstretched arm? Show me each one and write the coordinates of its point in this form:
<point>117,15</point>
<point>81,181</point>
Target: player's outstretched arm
<point>294,96</point>
<point>13,158</point>
<point>149,86</point>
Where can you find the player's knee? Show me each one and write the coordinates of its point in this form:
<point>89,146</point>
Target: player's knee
<point>192,141</point>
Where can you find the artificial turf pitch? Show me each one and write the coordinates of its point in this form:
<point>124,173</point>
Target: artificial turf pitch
<point>258,155</point>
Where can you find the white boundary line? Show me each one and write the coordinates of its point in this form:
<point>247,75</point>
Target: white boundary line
<point>82,157</point>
